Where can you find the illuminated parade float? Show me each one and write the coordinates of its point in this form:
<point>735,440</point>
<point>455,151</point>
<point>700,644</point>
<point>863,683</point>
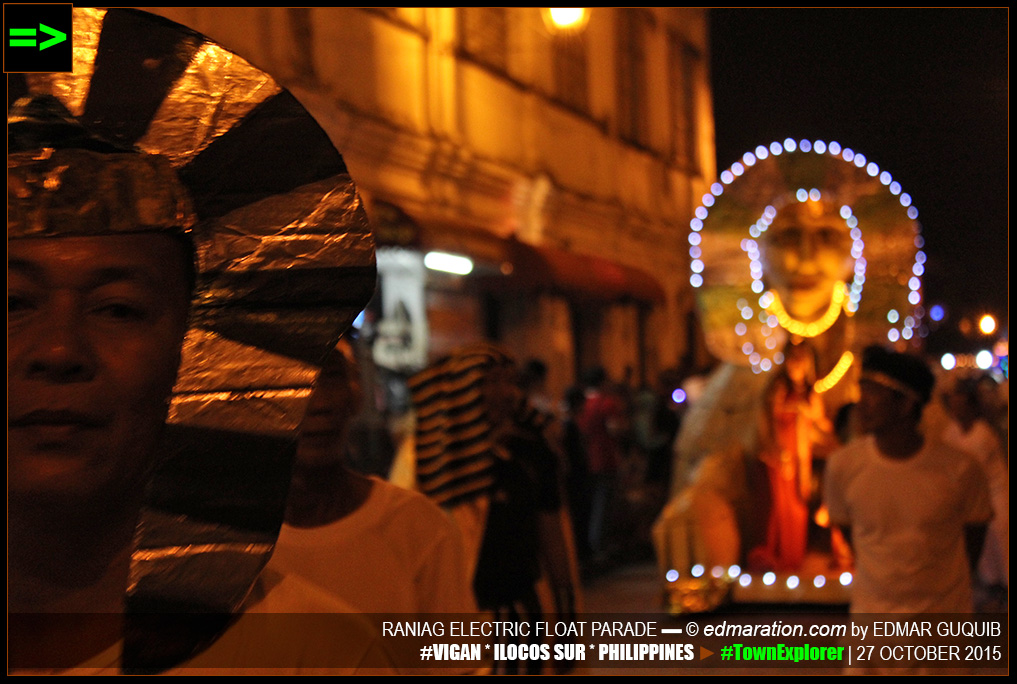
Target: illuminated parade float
<point>803,253</point>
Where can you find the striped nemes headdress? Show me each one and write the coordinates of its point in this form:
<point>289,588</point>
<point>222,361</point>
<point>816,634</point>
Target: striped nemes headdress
<point>163,130</point>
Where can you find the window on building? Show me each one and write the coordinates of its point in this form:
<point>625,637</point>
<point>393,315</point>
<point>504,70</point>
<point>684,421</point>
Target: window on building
<point>483,35</point>
<point>684,67</point>
<point>632,27</point>
<point>301,27</point>
<point>570,78</point>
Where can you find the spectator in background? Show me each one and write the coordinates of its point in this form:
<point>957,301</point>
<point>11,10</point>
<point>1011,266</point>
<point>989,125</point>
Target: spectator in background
<point>970,432</point>
<point>480,456</point>
<point>380,548</point>
<point>656,430</point>
<point>995,403</point>
<point>533,383</point>
<point>604,424</point>
<point>370,448</point>
<point>577,472</point>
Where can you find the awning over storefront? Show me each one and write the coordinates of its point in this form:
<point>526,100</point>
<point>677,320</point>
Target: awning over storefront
<point>581,275</point>
<point>509,264</point>
<point>485,248</point>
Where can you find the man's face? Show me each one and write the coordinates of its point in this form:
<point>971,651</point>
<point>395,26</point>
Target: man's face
<point>881,408</point>
<point>95,327</point>
<point>334,401</point>
<point>806,251</point>
<point>501,394</point>
<point>962,406</point>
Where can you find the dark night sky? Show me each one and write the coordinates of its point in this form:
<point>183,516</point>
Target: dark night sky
<point>923,93</point>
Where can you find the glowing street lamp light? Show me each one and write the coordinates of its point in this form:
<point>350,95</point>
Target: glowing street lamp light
<point>448,263</point>
<point>566,19</point>
<point>987,324</point>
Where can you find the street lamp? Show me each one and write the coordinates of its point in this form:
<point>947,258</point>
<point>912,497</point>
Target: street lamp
<point>565,19</point>
<point>448,263</point>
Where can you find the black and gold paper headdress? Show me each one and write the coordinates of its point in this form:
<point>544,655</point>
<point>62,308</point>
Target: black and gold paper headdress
<point>190,138</point>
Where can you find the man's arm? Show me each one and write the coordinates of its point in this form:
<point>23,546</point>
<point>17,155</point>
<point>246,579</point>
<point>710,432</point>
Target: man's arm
<point>974,540</point>
<point>976,497</point>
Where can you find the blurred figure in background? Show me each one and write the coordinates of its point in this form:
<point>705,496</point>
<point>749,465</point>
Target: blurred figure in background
<point>380,548</point>
<point>604,423</point>
<point>659,428</point>
<point>533,383</point>
<point>969,431</point>
<point>480,456</point>
<point>577,472</point>
<point>370,448</point>
<point>995,402</point>
<point>655,423</point>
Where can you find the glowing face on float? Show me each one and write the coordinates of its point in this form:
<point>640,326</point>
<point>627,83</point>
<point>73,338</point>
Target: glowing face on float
<point>806,252</point>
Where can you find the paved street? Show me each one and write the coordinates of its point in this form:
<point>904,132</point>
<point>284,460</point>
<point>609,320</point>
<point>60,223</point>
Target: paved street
<point>638,589</point>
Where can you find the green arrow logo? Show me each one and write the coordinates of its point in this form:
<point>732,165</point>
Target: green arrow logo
<point>58,37</point>
<point>27,37</point>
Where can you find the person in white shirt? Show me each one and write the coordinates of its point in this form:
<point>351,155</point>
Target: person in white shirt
<point>914,512</point>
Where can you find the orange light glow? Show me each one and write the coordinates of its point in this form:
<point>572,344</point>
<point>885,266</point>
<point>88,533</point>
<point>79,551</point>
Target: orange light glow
<point>566,19</point>
<point>987,324</point>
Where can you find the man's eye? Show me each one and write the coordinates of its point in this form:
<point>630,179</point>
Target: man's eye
<point>19,303</point>
<point>121,311</point>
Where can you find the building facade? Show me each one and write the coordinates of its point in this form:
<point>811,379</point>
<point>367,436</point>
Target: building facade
<point>565,164</point>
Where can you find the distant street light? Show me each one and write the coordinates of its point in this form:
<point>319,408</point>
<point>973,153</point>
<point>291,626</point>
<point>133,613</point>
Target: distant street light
<point>987,324</point>
<point>448,263</point>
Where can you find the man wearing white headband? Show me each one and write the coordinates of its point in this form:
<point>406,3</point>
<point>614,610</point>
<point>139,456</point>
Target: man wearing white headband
<point>914,512</point>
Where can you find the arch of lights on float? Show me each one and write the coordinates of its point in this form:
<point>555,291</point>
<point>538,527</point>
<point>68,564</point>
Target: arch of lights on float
<point>767,309</point>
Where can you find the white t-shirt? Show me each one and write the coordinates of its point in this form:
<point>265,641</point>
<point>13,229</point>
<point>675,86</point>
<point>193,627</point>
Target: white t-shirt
<point>983,445</point>
<point>287,627</point>
<point>907,520</point>
<point>397,553</point>
<point>291,626</point>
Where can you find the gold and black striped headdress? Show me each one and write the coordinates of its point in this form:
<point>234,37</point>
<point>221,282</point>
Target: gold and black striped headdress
<point>195,140</point>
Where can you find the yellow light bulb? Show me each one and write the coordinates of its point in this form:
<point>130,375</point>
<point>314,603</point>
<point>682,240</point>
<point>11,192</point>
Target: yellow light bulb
<point>567,17</point>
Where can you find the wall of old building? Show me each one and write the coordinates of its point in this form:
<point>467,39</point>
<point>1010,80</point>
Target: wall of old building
<point>476,120</point>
